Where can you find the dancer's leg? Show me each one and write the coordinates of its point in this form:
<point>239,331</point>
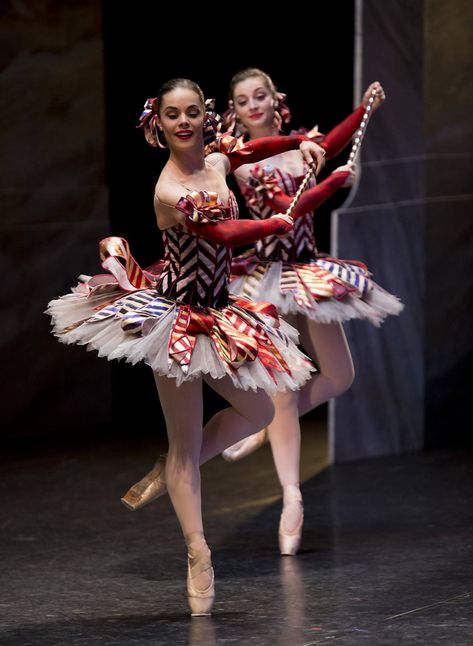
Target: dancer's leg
<point>286,412</point>
<point>285,438</point>
<point>249,411</point>
<point>183,412</point>
<point>182,409</point>
<point>327,345</point>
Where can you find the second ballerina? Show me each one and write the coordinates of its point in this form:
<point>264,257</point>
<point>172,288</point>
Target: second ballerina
<point>314,291</point>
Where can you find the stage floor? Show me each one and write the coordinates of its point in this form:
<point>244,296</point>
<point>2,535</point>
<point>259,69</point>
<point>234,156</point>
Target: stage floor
<point>386,555</point>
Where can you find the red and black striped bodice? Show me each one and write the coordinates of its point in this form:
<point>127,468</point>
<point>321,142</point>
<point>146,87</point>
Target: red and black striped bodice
<point>196,271</point>
<point>299,244</point>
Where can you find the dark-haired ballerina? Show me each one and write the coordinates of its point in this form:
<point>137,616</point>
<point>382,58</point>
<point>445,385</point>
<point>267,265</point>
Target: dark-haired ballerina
<point>184,323</point>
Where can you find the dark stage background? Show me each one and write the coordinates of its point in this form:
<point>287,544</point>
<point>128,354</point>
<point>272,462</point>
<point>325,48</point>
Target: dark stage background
<point>72,86</point>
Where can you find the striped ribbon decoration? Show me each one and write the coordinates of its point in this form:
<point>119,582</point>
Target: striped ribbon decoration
<point>257,307</point>
<point>128,303</point>
<point>203,206</point>
<point>290,282</point>
<point>181,341</point>
<point>234,340</point>
<point>237,336</point>
<point>130,276</point>
<point>318,282</point>
<point>132,322</point>
<point>269,353</point>
<point>252,281</point>
<point>354,275</point>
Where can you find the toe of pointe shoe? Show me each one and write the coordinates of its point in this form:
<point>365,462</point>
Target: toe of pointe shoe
<point>229,455</point>
<point>244,447</point>
<point>236,451</point>
<point>289,544</point>
<point>199,561</point>
<point>146,490</point>
<point>289,541</point>
<point>200,601</point>
<point>136,497</point>
<point>201,607</point>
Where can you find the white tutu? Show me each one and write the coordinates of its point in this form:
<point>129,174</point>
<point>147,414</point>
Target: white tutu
<point>109,321</point>
<point>324,290</point>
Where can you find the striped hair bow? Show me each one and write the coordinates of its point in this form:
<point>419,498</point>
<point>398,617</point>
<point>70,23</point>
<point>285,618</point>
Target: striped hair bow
<point>149,123</point>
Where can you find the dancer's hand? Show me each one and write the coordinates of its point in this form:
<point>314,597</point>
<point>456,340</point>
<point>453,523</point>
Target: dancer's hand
<point>286,221</point>
<point>313,154</point>
<point>379,97</point>
<point>347,168</point>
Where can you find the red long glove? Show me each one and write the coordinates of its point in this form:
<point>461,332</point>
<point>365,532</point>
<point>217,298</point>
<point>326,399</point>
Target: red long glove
<point>310,199</point>
<point>339,137</point>
<point>264,147</point>
<point>232,233</point>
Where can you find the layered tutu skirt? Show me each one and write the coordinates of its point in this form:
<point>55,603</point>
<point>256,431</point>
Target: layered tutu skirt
<point>123,315</point>
<point>325,289</point>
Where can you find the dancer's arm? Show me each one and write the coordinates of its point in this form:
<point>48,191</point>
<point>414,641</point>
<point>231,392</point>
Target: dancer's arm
<point>231,153</point>
<point>232,233</point>
<point>339,137</point>
<point>265,147</point>
<point>311,198</point>
<point>205,224</point>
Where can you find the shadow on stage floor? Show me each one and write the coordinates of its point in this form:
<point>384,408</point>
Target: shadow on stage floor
<point>386,554</point>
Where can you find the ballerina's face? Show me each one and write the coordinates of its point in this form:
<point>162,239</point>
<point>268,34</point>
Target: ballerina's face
<point>254,103</point>
<point>181,116</point>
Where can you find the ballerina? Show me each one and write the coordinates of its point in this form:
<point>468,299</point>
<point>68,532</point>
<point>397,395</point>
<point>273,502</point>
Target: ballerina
<point>314,292</point>
<point>184,323</point>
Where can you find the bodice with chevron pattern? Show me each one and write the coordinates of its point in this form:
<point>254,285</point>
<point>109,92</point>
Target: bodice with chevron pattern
<point>196,271</point>
<point>299,245</point>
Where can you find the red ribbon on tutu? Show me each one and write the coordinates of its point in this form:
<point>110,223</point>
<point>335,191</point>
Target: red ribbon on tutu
<point>234,346</point>
<point>260,307</point>
<point>236,335</point>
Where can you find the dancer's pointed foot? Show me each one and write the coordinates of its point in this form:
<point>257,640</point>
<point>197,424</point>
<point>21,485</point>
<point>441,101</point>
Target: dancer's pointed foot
<point>292,519</point>
<point>200,578</point>
<point>245,446</point>
<point>152,486</point>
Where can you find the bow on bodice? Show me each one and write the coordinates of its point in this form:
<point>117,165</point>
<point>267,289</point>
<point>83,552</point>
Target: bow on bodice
<point>202,206</point>
<point>262,179</point>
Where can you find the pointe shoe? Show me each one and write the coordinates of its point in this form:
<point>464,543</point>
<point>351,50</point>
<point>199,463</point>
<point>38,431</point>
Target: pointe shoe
<point>148,488</point>
<point>245,446</point>
<point>199,561</point>
<point>289,541</point>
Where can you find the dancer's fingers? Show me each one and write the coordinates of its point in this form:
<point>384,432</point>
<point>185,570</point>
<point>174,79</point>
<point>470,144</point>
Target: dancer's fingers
<point>313,153</point>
